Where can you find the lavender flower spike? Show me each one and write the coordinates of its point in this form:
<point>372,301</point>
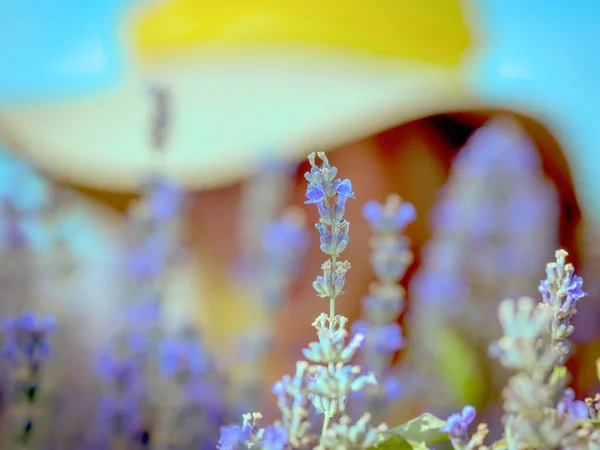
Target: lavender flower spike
<point>26,349</point>
<point>560,292</point>
<point>390,258</point>
<point>323,387</point>
<point>458,423</point>
<point>330,195</point>
<point>539,411</point>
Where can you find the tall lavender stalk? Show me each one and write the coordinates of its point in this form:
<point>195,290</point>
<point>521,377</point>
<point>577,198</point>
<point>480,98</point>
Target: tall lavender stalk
<point>390,259</point>
<point>494,225</point>
<point>25,243</point>
<point>26,349</point>
<point>153,235</point>
<point>321,385</point>
<point>540,411</point>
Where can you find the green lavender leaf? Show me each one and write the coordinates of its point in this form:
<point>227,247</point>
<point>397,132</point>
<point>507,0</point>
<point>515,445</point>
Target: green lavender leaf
<point>415,434</point>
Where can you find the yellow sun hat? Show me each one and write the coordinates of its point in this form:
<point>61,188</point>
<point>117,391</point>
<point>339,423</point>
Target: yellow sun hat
<point>251,78</point>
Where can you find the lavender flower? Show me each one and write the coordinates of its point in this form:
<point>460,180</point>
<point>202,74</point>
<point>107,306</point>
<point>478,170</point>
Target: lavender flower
<point>178,356</point>
<point>195,408</point>
<point>492,228</point>
<point>154,227</point>
<point>390,258</point>
<point>26,349</point>
<point>121,405</point>
<point>249,435</point>
<point>275,437</point>
<point>458,423</point>
<point>330,386</point>
<point>577,409</point>
<point>324,386</point>
<point>284,245</point>
<point>540,412</point>
<point>27,339</point>
<point>560,292</point>
<point>164,199</point>
<point>233,437</point>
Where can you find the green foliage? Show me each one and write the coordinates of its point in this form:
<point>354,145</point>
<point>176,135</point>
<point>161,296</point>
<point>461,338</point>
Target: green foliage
<point>464,379</point>
<point>415,434</point>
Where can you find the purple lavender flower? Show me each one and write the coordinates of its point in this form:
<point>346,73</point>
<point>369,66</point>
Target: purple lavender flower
<point>458,423</point>
<point>492,227</point>
<point>119,415</point>
<point>392,388</point>
<point>561,291</point>
<point>284,241</point>
<point>391,220</point>
<point>124,373</point>
<point>321,385</point>
<point>562,286</point>
<point>390,258</point>
<point>164,200</point>
<point>27,338</point>
<point>233,437</point>
<point>120,412</point>
<point>177,356</point>
<point>577,409</point>
<point>26,348</point>
<point>275,438</point>
<point>315,194</point>
<point>383,339</point>
<point>323,186</point>
<point>207,394</point>
<point>145,314</point>
<point>149,259</point>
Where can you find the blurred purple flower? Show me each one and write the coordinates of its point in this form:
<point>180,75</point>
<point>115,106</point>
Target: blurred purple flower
<point>285,241</point>
<point>392,388</point>
<point>119,415</point>
<point>392,220</point>
<point>233,436</point>
<point>122,372</point>
<point>178,356</point>
<point>205,393</point>
<point>145,314</point>
<point>149,259</point>
<point>380,339</point>
<point>577,409</point>
<point>458,423</point>
<point>27,338</point>
<point>164,200</point>
<point>275,438</point>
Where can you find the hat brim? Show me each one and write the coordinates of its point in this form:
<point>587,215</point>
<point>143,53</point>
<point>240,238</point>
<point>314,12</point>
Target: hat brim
<point>232,108</point>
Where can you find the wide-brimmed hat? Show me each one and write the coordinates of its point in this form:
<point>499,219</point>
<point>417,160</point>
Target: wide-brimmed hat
<point>251,79</point>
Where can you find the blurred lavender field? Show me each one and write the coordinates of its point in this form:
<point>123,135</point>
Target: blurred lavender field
<point>108,345</point>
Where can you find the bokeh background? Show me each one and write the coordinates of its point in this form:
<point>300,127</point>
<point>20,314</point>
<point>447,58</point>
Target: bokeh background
<point>480,113</point>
